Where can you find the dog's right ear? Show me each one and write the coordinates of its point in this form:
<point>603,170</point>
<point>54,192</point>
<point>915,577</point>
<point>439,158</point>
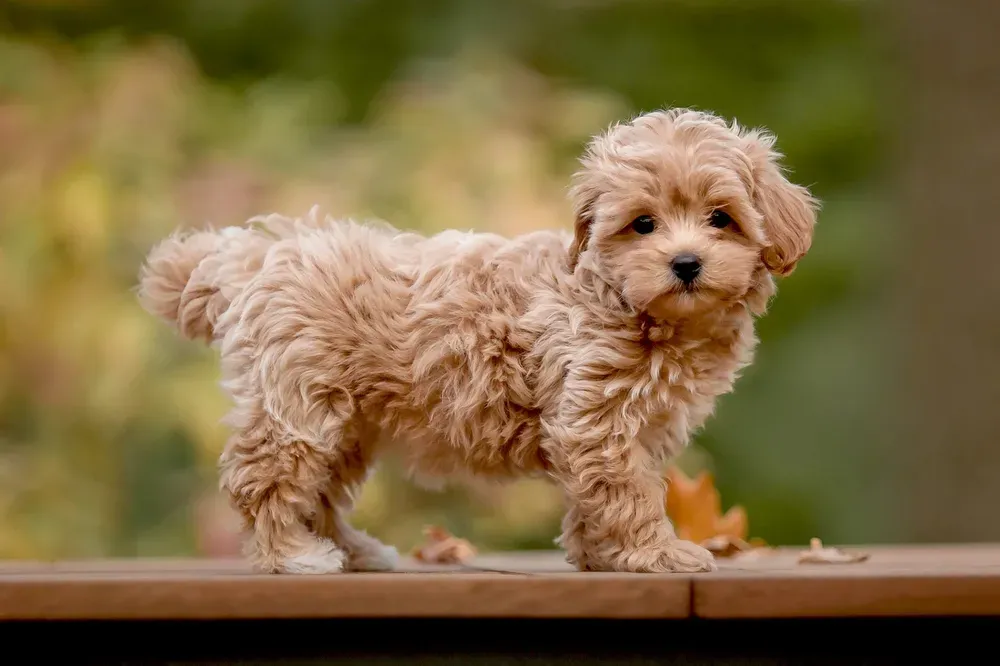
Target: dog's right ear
<point>583,194</point>
<point>789,210</point>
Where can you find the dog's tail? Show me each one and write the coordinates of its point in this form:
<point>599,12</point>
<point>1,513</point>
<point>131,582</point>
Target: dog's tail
<point>190,279</point>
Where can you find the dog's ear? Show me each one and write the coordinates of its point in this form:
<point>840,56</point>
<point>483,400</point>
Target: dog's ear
<point>583,195</point>
<point>789,210</point>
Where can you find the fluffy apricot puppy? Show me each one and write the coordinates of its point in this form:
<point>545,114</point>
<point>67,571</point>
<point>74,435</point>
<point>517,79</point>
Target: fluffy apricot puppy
<point>590,358</point>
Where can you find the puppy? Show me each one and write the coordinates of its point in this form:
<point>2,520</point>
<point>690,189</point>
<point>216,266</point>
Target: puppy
<point>590,358</point>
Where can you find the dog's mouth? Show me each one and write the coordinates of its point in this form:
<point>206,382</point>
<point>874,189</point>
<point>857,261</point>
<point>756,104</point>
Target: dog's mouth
<point>699,289</point>
<point>685,301</point>
<point>695,289</point>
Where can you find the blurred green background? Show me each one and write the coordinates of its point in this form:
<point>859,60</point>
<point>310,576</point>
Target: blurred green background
<point>121,121</point>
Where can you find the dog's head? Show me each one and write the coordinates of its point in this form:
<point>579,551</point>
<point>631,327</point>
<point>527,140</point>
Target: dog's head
<point>684,213</point>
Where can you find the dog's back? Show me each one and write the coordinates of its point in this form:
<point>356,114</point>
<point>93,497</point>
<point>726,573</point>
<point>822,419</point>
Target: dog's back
<point>472,352</point>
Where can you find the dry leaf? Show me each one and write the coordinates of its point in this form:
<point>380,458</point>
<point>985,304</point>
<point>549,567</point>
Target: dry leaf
<point>695,509</point>
<point>755,553</point>
<point>441,547</point>
<point>820,554</point>
<point>725,546</point>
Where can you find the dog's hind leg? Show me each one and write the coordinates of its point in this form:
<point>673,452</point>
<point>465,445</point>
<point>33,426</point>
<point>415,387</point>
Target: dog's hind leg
<point>275,482</point>
<point>348,471</point>
<point>290,360</point>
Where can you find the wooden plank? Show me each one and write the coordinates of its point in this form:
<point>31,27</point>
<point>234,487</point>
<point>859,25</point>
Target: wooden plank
<point>500,587</point>
<point>894,582</point>
<point>527,562</point>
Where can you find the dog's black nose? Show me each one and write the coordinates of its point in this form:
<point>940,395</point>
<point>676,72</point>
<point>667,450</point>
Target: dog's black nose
<point>686,267</point>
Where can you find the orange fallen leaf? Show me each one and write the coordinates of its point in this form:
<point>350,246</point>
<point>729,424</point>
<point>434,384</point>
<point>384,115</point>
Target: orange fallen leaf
<point>695,508</point>
<point>820,554</point>
<point>441,547</point>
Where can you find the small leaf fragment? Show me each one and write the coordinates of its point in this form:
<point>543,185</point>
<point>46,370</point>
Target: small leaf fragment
<point>725,546</point>
<point>441,547</point>
<point>820,554</point>
<point>755,553</point>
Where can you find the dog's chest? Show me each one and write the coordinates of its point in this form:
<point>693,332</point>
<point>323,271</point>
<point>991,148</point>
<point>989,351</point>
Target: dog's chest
<point>687,375</point>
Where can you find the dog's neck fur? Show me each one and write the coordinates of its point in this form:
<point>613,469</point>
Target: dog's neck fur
<point>682,366</point>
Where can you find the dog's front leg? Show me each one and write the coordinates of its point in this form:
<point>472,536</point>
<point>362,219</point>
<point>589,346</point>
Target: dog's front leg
<point>617,518</point>
<point>617,515</point>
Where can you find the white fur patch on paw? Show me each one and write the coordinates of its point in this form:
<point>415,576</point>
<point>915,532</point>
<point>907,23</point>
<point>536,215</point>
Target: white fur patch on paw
<point>322,558</point>
<point>380,558</point>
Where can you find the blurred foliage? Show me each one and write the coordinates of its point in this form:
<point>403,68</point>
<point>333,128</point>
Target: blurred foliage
<point>120,121</point>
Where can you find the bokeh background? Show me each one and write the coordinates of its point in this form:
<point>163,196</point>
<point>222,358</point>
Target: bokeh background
<point>121,121</point>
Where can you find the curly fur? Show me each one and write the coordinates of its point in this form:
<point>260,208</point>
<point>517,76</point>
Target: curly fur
<point>579,356</point>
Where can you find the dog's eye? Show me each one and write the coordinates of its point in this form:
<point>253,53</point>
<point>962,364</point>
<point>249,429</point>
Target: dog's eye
<point>720,219</point>
<point>643,224</point>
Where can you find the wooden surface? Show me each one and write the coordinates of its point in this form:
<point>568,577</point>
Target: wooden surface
<point>511,586</point>
<point>895,582</point>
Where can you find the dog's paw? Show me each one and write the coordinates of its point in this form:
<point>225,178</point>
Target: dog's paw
<point>373,557</point>
<point>673,556</point>
<point>680,556</point>
<point>322,557</point>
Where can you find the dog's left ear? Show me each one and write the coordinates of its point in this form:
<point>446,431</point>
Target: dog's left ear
<point>789,210</point>
<point>583,194</point>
